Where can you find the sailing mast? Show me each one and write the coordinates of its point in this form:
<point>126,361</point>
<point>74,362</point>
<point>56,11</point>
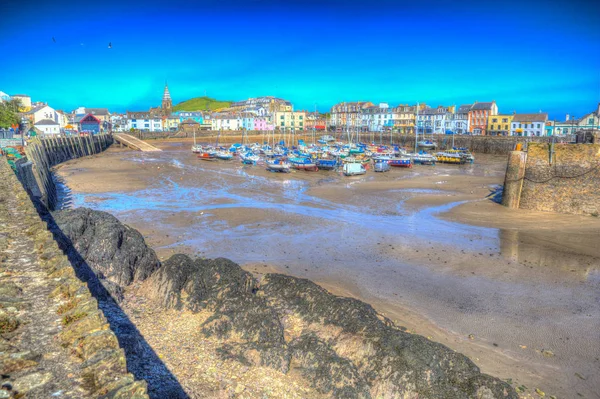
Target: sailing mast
<point>416,128</point>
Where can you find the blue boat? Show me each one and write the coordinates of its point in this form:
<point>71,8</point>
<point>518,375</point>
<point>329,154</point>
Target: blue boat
<point>402,162</point>
<point>327,164</point>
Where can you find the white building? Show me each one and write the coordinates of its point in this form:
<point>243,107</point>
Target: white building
<point>4,97</point>
<point>226,122</point>
<point>529,124</point>
<point>460,120</point>
<point>47,126</point>
<point>40,113</point>
<point>144,121</point>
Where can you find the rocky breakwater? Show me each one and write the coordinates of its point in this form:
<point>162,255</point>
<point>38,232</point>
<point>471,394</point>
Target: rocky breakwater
<point>54,340</point>
<point>340,347</point>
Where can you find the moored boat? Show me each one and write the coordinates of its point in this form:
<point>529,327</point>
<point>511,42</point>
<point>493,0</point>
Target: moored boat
<point>401,162</point>
<point>304,163</point>
<point>278,165</point>
<point>426,144</point>
<point>327,164</point>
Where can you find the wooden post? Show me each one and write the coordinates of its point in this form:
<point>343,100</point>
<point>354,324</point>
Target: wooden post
<point>513,181</point>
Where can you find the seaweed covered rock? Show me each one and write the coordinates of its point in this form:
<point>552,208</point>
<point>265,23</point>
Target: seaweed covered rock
<point>239,315</point>
<point>392,362</point>
<point>115,252</point>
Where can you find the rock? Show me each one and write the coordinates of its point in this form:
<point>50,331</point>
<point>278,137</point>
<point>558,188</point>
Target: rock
<point>30,382</point>
<point>8,322</point>
<point>113,251</point>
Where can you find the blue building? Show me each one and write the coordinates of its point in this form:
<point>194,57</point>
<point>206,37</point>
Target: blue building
<point>196,116</point>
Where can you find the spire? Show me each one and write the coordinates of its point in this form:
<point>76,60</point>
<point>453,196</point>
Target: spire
<point>166,95</point>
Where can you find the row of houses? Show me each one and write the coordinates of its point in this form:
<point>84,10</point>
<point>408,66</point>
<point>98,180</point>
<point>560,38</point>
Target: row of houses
<point>479,118</point>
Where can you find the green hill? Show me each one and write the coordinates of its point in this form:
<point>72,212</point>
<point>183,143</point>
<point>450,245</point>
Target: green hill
<point>201,104</point>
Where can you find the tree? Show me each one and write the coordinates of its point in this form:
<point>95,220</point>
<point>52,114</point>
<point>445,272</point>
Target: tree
<point>9,113</point>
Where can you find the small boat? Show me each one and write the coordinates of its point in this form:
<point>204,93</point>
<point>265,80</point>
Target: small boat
<point>422,158</point>
<point>453,157</point>
<point>426,144</point>
<point>353,169</point>
<point>304,163</point>
<point>196,149</point>
<point>224,155</point>
<point>327,164</point>
<point>249,158</point>
<point>278,165</point>
<point>207,156</point>
<point>382,166</point>
<point>326,138</point>
<point>402,162</point>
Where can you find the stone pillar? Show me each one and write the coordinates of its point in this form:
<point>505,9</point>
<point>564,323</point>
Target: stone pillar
<point>513,181</point>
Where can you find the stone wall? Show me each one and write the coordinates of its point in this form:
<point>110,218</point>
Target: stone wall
<point>562,178</point>
<point>53,337</point>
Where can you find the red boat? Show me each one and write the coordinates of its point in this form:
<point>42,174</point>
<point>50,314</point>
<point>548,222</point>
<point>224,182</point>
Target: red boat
<point>401,162</point>
<point>206,156</point>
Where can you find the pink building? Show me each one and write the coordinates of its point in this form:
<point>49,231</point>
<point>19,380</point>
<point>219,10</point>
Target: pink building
<point>261,124</point>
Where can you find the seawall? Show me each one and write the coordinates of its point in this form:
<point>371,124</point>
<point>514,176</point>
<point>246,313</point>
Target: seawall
<point>499,145</point>
<point>34,171</point>
<point>55,339</point>
<point>561,178</point>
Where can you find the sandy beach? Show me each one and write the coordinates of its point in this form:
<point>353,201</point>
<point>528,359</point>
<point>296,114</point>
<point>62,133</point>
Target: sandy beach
<point>516,291</point>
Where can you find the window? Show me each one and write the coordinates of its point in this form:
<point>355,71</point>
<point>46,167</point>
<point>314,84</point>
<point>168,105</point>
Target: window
<point>494,120</point>
<point>591,121</point>
<point>281,117</point>
<point>282,123</point>
<point>133,120</point>
<point>538,125</point>
<point>301,124</point>
<point>301,117</point>
<point>504,120</point>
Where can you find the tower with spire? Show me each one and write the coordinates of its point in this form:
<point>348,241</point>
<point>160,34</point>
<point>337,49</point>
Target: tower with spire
<point>167,104</point>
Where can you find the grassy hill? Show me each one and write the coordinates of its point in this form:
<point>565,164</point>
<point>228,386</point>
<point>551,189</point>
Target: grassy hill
<point>201,104</point>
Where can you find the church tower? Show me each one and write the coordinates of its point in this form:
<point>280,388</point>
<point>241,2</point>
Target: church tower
<point>167,103</point>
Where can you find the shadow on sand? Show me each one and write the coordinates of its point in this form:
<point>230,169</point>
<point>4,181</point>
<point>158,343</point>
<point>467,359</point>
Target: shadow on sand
<point>142,361</point>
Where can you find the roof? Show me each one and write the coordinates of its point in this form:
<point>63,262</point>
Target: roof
<point>97,111</point>
<point>35,109</point>
<point>481,106</point>
<point>189,121</point>
<point>539,117</point>
<point>464,108</point>
<point>46,122</point>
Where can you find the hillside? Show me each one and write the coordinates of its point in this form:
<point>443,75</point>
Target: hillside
<point>201,104</point>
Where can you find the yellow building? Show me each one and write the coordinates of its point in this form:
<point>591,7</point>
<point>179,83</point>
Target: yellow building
<point>499,125</point>
<point>289,120</point>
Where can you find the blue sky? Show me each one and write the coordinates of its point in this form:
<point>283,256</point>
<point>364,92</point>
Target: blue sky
<point>528,56</point>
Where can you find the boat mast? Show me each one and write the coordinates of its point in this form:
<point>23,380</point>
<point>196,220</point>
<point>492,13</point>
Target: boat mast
<point>416,127</point>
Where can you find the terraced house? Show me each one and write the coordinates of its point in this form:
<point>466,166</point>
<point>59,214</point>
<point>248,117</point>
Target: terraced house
<point>478,116</point>
<point>289,120</point>
<point>404,116</point>
<point>144,121</point>
<point>499,125</point>
<point>528,124</point>
<point>377,118</point>
<point>348,114</point>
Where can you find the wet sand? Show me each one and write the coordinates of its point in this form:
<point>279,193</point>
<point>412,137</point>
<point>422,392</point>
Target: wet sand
<point>427,247</point>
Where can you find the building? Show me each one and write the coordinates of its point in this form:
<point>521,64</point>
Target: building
<point>571,125</point>
<point>435,120</point>
<point>404,117</point>
<point>348,115</point>
<point>460,119</point>
<point>315,121</point>
<point>193,115</point>
<point>189,126</point>
<point>167,104</point>
<point>499,125</point>
<point>25,101</point>
<point>478,116</point>
<point>47,126</point>
<point>377,118</point>
<point>262,123</point>
<point>529,124</point>
<point>289,120</point>
<point>227,121</point>
<point>262,106</point>
<point>171,123</point>
<point>247,120</point>
<point>41,112</point>
<point>89,124</point>
<point>144,121</point>
<point>4,97</point>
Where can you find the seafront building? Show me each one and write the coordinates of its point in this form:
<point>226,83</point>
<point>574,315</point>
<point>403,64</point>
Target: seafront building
<point>529,124</point>
<point>478,116</point>
<point>499,125</point>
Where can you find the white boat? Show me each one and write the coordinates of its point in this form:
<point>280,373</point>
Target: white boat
<point>196,149</point>
<point>327,138</point>
<point>278,165</point>
<point>223,155</point>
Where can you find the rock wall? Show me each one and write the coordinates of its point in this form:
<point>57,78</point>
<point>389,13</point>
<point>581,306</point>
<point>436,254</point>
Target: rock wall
<point>54,340</point>
<point>562,178</point>
<point>341,346</point>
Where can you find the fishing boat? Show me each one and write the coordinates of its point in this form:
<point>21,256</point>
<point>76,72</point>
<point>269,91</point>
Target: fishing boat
<point>428,144</point>
<point>353,169</point>
<point>382,166</point>
<point>327,164</point>
<point>422,158</point>
<point>278,165</point>
<point>465,153</point>
<point>304,163</point>
<point>401,162</point>
<point>450,156</point>
<point>326,139</point>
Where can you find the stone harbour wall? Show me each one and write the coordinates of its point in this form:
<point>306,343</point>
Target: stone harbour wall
<point>561,178</point>
<point>55,342</point>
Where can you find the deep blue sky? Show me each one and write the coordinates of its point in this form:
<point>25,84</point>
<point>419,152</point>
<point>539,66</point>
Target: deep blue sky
<point>528,56</point>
